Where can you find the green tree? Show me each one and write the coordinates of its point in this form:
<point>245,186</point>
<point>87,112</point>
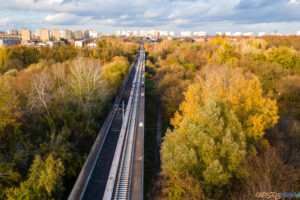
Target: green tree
<point>115,72</point>
<point>173,81</point>
<point>8,104</point>
<point>8,176</point>
<point>222,117</point>
<point>5,54</point>
<point>242,91</point>
<point>209,147</point>
<point>85,83</point>
<point>44,181</point>
<point>284,56</point>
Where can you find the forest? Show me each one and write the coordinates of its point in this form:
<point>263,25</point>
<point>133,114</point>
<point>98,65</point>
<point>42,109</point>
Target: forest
<point>52,105</point>
<point>230,118</point>
<point>228,109</point>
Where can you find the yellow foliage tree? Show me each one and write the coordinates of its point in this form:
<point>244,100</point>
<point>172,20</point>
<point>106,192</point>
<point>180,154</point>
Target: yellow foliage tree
<point>242,91</point>
<point>223,116</point>
<point>7,105</point>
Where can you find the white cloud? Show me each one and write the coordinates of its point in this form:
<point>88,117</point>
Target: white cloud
<point>180,21</point>
<point>294,2</point>
<point>60,18</point>
<point>152,13</point>
<point>66,18</point>
<point>123,16</point>
<point>109,21</point>
<point>168,14</point>
<point>4,21</point>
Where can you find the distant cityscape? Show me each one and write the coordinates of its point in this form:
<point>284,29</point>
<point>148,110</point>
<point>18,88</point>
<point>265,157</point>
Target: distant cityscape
<point>81,38</point>
<point>157,33</point>
<point>49,38</point>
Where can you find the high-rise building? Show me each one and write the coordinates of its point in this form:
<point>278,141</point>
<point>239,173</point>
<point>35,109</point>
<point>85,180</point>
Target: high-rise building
<point>248,34</point>
<point>12,32</point>
<point>78,35</point>
<point>128,33</point>
<point>219,33</point>
<point>237,34</point>
<point>135,33</point>
<point>93,34</point>
<point>44,35</point>
<point>200,33</point>
<point>186,33</point>
<point>163,33</point>
<point>56,34</point>
<point>143,32</point>
<point>154,33</point>
<point>86,34</point>
<point>67,34</point>
<point>26,36</point>
<point>228,34</point>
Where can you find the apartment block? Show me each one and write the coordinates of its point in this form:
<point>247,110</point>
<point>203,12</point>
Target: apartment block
<point>249,34</point>
<point>67,34</point>
<point>44,35</point>
<point>26,36</point>
<point>155,33</point>
<point>200,33</point>
<point>228,34</point>
<point>219,33</point>
<point>135,33</point>
<point>186,33</point>
<point>86,34</point>
<point>93,34</point>
<point>78,35</point>
<point>172,33</point>
<point>143,32</point>
<point>260,34</point>
<point>56,34</point>
<point>163,33</point>
<point>237,34</point>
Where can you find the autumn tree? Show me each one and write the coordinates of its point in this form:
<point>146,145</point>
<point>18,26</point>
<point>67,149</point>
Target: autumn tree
<point>173,81</point>
<point>5,54</point>
<point>8,104</point>
<point>115,72</point>
<point>242,91</point>
<point>85,83</point>
<point>265,172</point>
<point>222,117</point>
<point>8,176</point>
<point>51,108</point>
<point>207,148</point>
<point>44,181</point>
<point>284,56</point>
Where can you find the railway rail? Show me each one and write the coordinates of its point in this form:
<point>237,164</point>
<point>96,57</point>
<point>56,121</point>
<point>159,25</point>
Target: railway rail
<point>107,172</point>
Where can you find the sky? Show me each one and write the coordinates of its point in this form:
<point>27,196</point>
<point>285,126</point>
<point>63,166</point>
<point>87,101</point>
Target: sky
<point>108,16</point>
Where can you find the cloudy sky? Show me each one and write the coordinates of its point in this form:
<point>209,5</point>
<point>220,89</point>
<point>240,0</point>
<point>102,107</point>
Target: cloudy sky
<point>107,16</point>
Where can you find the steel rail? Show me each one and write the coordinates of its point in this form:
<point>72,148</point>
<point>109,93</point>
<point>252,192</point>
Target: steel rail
<point>89,165</point>
<point>119,182</point>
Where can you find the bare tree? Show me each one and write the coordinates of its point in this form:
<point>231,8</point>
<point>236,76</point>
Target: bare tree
<point>41,91</point>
